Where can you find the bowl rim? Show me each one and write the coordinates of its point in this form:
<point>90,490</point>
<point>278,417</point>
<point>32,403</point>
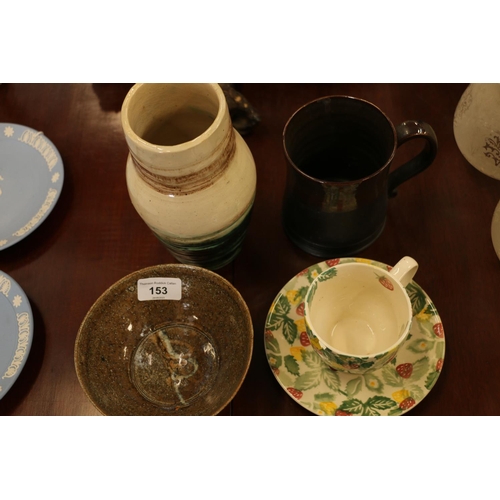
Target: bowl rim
<point>138,274</point>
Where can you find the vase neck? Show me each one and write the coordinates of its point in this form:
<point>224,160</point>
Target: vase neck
<point>180,136</point>
<point>179,175</point>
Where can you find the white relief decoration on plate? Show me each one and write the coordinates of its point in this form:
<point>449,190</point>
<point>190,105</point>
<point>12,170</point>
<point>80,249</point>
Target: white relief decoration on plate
<point>55,177</point>
<point>8,131</point>
<point>4,285</point>
<point>51,195</point>
<point>23,323</point>
<point>37,141</point>
<point>2,242</point>
<point>1,179</point>
<point>18,300</point>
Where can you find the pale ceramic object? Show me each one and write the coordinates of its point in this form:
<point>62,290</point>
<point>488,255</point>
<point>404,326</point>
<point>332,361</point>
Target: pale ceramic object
<point>190,175</point>
<point>476,126</point>
<point>357,317</point>
<point>495,230</point>
<point>393,389</point>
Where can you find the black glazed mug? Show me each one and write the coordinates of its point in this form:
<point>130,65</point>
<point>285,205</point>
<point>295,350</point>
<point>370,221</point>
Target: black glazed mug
<point>339,151</point>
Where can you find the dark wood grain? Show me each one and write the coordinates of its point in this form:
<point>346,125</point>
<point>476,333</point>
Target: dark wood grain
<point>94,237</point>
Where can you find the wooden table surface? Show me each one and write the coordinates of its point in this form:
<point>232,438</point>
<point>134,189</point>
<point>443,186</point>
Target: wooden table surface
<point>94,237</point>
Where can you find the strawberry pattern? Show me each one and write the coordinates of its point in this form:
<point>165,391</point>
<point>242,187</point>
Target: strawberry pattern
<point>405,370</point>
<point>386,282</point>
<point>394,389</point>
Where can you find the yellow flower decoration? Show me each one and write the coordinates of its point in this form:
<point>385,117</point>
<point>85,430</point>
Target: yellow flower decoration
<point>272,361</point>
<point>338,366</point>
<point>423,315</point>
<point>373,382</point>
<point>296,352</point>
<point>293,297</point>
<point>400,396</point>
<point>315,343</point>
<point>423,345</point>
<point>314,273</point>
<point>328,407</point>
<point>301,324</point>
<point>363,261</point>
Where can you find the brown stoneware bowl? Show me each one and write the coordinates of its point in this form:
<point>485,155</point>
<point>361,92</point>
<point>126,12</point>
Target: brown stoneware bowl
<point>164,356</point>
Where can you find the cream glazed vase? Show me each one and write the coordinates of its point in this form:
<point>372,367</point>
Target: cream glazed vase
<point>190,175</point>
<point>476,126</point>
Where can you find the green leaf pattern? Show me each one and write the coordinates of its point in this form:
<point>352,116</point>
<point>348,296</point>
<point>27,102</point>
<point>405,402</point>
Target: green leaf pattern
<point>280,312</point>
<point>354,386</point>
<point>291,365</point>
<point>307,381</point>
<point>289,330</point>
<point>417,297</point>
<point>328,392</point>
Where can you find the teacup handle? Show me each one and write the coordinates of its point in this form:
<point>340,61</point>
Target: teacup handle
<point>413,129</point>
<point>404,270</point>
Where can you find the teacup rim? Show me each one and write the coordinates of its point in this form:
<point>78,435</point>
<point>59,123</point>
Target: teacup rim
<point>387,350</point>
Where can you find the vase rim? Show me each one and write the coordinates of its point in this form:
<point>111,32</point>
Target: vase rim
<point>159,148</point>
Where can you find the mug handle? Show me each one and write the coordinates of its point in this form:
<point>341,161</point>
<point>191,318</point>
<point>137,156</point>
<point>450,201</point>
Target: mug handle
<point>408,130</point>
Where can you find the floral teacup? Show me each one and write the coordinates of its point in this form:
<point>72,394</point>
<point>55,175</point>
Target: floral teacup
<point>357,316</point>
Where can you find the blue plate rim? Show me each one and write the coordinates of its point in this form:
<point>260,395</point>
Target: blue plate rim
<point>8,241</point>
<point>25,331</point>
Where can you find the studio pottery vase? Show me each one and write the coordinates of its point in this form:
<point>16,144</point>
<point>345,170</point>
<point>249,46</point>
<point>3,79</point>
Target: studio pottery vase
<point>190,175</point>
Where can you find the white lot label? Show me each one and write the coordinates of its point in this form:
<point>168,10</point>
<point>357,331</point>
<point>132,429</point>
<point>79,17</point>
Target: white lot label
<point>159,289</point>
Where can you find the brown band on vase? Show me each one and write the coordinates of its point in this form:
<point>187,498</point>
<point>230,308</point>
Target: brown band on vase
<point>196,181</point>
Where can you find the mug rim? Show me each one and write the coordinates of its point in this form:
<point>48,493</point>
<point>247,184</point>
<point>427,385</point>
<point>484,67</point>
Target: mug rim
<point>393,346</point>
<point>340,183</point>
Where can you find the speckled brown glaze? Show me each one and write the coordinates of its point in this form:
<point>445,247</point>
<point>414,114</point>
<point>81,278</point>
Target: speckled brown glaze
<point>210,325</point>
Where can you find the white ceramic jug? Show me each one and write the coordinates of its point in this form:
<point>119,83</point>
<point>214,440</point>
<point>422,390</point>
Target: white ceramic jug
<point>190,175</point>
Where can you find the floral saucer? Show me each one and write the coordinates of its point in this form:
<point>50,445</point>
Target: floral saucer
<point>391,390</point>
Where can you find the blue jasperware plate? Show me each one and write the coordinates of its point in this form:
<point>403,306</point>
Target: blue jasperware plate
<point>31,179</point>
<point>16,332</point>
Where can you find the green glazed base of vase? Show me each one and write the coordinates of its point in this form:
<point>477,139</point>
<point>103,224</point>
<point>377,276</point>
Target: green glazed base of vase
<point>212,253</point>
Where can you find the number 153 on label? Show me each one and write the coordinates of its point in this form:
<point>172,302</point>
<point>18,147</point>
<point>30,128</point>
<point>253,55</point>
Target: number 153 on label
<point>159,289</point>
